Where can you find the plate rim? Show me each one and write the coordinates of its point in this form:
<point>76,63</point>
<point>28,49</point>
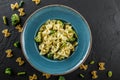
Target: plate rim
<point>88,49</point>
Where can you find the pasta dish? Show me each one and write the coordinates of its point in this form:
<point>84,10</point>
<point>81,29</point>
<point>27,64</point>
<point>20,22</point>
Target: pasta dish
<point>56,39</point>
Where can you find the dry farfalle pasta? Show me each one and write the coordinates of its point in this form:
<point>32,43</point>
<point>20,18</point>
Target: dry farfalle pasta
<point>84,67</point>
<point>46,75</point>
<point>36,1</point>
<point>94,75</point>
<point>101,66</point>
<point>6,33</point>
<point>21,11</point>
<point>33,77</point>
<point>20,61</point>
<point>19,28</point>
<point>14,6</point>
<point>9,53</point>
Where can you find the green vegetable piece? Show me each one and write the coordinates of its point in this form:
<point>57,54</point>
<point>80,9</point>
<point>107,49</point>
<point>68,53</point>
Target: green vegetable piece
<point>60,22</point>
<point>15,19</point>
<point>72,39</point>
<point>82,76</point>
<point>21,4</point>
<point>92,62</point>
<point>8,71</point>
<point>5,20</point>
<point>21,73</point>
<point>61,78</point>
<point>52,32</point>
<point>63,44</point>
<point>110,74</point>
<point>17,44</point>
<point>50,56</point>
<point>38,37</point>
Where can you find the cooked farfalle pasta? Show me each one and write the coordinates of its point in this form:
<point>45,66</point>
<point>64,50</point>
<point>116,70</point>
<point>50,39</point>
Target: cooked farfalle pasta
<point>20,61</point>
<point>101,66</point>
<point>94,74</point>
<point>19,28</point>
<point>57,39</point>
<point>14,6</point>
<point>6,33</point>
<point>46,75</point>
<point>21,11</point>
<point>9,53</point>
<point>36,1</point>
<point>84,67</point>
<point>33,77</point>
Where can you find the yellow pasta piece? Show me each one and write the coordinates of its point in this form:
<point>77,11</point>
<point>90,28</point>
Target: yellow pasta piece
<point>14,6</point>
<point>19,28</point>
<point>46,75</point>
<point>84,67</point>
<point>36,1</point>
<point>33,77</point>
<point>20,61</point>
<point>21,11</point>
<point>101,66</point>
<point>6,33</point>
<point>94,75</point>
<point>9,53</point>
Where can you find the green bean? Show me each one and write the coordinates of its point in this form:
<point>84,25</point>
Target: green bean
<point>21,73</point>
<point>52,32</point>
<point>81,75</point>
<point>21,4</point>
<point>5,20</point>
<point>71,39</point>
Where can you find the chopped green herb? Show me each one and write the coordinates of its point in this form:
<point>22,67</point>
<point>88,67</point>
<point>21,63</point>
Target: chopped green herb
<point>15,19</point>
<point>71,39</point>
<point>5,20</point>
<point>38,37</point>
<point>60,23</point>
<point>21,73</point>
<point>17,44</point>
<point>61,78</point>
<point>63,44</point>
<point>81,75</point>
<point>8,71</point>
<point>92,62</point>
<point>52,31</point>
<point>50,56</point>
<point>109,73</point>
<point>21,4</point>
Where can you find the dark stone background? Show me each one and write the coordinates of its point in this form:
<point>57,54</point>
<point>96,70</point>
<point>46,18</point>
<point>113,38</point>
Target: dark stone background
<point>103,17</point>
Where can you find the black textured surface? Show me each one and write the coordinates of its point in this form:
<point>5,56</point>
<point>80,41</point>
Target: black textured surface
<point>103,17</point>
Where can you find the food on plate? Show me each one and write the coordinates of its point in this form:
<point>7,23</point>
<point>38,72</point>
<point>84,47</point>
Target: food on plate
<point>56,39</point>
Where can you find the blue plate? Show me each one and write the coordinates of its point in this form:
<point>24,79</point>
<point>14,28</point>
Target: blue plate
<point>31,51</point>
